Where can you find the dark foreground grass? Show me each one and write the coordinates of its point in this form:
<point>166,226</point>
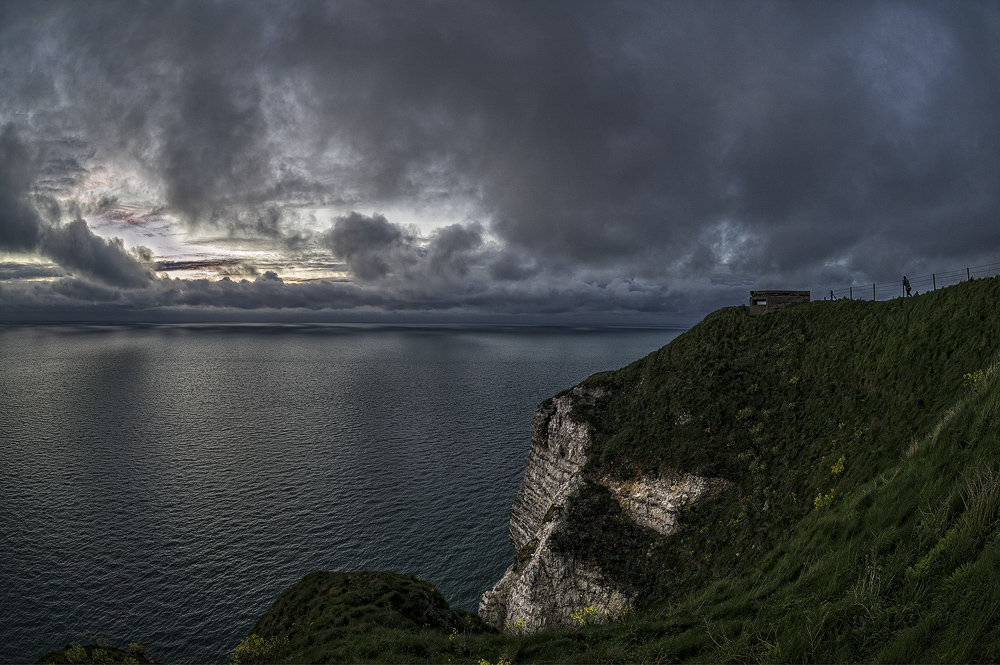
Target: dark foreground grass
<point>861,438</point>
<point>861,524</point>
<point>98,651</point>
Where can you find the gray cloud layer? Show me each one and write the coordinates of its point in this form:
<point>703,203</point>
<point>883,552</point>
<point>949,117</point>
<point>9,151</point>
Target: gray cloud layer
<point>804,144</point>
<point>73,246</point>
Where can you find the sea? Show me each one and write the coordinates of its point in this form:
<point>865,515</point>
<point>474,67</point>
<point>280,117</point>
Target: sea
<point>163,484</point>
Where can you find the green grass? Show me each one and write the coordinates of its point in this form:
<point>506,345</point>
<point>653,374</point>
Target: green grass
<point>364,616</point>
<point>98,651</point>
<point>860,439</point>
<point>861,524</point>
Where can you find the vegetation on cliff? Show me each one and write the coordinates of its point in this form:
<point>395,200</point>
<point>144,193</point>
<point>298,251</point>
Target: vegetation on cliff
<point>355,617</point>
<point>862,443</point>
<point>861,523</point>
<point>98,651</point>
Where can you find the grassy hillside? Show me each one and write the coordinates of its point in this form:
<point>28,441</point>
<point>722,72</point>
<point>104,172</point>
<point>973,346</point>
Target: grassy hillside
<point>99,651</point>
<point>862,441</point>
<point>862,525</point>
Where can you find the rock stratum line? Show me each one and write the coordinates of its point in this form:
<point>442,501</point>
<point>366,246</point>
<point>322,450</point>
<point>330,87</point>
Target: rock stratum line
<point>544,587</point>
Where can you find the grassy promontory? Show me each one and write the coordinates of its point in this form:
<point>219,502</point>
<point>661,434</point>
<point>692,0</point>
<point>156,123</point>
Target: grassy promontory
<point>862,446</point>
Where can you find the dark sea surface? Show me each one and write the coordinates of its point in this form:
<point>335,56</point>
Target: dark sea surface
<point>163,484</point>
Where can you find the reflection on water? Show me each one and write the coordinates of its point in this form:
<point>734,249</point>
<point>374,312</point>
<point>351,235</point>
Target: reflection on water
<point>163,484</point>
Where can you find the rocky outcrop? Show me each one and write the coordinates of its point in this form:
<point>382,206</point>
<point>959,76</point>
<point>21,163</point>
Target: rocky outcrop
<point>657,501</point>
<point>544,588</point>
<point>558,451</point>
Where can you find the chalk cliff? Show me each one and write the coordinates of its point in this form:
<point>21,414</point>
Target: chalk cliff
<point>655,502</point>
<point>544,588</point>
<point>558,452</point>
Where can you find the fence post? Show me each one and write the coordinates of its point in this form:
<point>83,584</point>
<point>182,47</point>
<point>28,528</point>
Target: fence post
<point>968,274</point>
<point>851,292</point>
<point>934,281</point>
<point>873,292</point>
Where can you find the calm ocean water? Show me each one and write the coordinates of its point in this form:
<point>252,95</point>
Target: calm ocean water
<point>164,484</point>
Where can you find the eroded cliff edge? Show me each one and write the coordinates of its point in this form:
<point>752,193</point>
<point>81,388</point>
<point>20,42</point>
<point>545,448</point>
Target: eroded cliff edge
<point>547,585</point>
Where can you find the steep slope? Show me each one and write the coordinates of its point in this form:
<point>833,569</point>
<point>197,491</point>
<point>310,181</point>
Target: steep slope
<point>859,521</point>
<point>861,440</point>
<point>547,586</point>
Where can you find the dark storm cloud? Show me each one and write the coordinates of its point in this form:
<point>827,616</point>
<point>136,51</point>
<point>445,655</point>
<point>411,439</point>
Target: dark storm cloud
<point>200,264</point>
<point>454,248</point>
<point>659,142</point>
<point>84,291</point>
<point>268,293</point>
<point>370,245</point>
<point>211,151</point>
<point>59,173</point>
<point>609,135</point>
<point>451,259</point>
<point>452,271</point>
<point>10,270</point>
<point>20,225</point>
<point>73,246</point>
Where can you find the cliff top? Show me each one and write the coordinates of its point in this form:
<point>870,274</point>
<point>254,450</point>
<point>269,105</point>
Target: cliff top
<point>859,446</point>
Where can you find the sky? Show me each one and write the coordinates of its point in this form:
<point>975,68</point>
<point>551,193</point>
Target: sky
<point>609,163</point>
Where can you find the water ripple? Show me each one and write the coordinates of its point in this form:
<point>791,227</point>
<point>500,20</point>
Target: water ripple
<point>164,484</point>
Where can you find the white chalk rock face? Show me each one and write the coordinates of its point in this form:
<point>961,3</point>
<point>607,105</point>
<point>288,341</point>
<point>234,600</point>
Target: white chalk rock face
<point>656,502</point>
<point>558,451</point>
<point>543,588</point>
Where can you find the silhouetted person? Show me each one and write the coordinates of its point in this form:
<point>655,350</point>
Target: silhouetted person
<point>831,295</point>
<point>906,285</point>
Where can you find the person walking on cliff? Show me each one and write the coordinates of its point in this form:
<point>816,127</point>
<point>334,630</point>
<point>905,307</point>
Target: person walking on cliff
<point>906,285</point>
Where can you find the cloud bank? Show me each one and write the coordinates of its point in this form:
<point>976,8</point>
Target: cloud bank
<point>578,157</point>
<point>73,246</point>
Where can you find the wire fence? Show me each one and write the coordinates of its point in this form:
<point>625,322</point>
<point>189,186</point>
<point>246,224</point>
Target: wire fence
<point>919,284</point>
